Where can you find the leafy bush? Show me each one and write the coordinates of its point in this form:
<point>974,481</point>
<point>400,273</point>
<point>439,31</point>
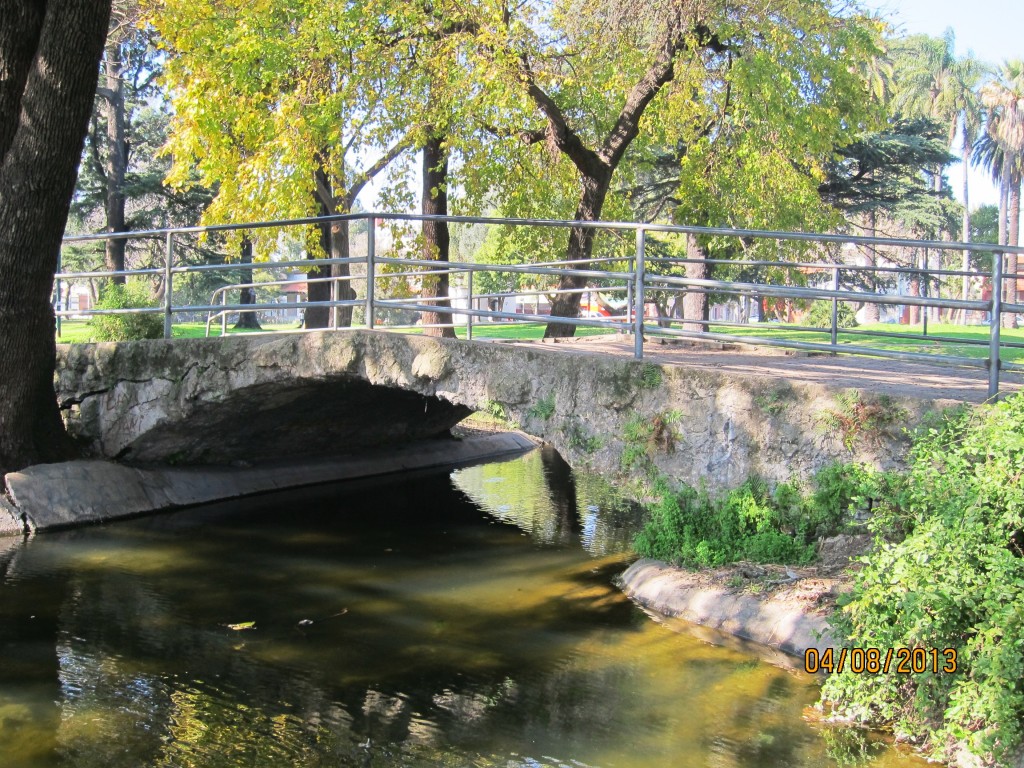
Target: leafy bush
<point>692,528</point>
<point>820,315</point>
<point>126,327</point>
<point>956,580</point>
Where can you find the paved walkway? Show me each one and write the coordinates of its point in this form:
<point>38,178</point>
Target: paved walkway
<point>874,374</point>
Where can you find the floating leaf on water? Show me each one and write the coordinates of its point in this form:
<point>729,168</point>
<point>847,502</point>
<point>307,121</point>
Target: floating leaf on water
<point>241,625</point>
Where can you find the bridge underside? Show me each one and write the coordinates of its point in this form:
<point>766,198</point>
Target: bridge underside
<point>263,423</point>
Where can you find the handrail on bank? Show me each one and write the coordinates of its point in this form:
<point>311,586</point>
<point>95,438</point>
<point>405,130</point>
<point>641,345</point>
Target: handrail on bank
<point>639,279</point>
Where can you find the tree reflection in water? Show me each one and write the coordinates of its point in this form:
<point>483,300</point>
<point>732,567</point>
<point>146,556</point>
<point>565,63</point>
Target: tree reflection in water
<point>402,622</point>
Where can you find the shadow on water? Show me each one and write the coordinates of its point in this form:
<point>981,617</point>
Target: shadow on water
<point>409,621</point>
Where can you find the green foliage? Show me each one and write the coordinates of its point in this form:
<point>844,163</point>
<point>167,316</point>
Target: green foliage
<point>771,403</point>
<point>644,437</point>
<point>861,419</point>
<point>955,581</point>
<point>131,327</point>
<point>820,315</point>
<point>650,376</point>
<point>752,522</point>
<point>692,528</point>
<point>544,408</point>
<point>577,437</point>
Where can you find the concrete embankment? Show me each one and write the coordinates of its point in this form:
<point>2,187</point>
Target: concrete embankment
<point>677,593</point>
<point>53,496</point>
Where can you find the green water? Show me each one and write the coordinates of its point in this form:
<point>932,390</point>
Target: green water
<point>462,620</point>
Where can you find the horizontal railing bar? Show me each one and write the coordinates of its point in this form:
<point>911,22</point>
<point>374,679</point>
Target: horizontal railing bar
<point>794,292</point>
<point>822,266</point>
<point>514,294</point>
<point>198,308</point>
<point>296,263</point>
<point>526,268</point>
<point>563,224</point>
<point>524,317</point>
<point>108,273</point>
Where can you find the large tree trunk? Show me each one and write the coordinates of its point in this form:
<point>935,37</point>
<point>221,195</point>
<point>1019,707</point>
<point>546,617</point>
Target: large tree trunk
<point>580,249</point>
<point>49,56</point>
<point>117,161</point>
<point>334,242</point>
<point>695,302</point>
<point>436,238</point>
<point>871,309</point>
<point>247,320</point>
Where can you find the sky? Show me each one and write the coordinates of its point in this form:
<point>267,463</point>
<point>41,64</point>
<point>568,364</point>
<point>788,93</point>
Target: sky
<point>992,29</point>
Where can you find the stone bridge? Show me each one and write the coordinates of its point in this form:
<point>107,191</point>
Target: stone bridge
<point>243,402</point>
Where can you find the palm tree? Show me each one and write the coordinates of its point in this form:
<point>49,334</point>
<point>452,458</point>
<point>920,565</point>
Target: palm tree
<point>933,82</point>
<point>1003,97</point>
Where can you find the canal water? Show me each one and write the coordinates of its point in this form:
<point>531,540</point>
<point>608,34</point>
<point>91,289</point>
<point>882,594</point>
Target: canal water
<point>446,619</point>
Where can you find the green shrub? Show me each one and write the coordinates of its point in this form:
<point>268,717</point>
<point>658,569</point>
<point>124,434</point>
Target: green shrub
<point>692,528</point>
<point>132,327</point>
<point>820,315</point>
<point>956,580</point>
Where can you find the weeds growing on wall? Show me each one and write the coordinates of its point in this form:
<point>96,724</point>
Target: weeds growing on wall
<point>947,572</point>
<point>858,419</point>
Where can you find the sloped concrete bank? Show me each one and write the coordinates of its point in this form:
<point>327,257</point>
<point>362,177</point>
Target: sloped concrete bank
<point>677,593</point>
<point>53,496</point>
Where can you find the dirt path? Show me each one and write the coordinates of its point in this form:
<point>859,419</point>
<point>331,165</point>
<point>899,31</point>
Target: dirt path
<point>880,375</point>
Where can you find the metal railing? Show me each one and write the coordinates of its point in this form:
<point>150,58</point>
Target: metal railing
<point>635,273</point>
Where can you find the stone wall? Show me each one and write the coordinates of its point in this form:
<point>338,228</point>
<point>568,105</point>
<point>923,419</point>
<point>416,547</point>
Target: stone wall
<point>254,398</point>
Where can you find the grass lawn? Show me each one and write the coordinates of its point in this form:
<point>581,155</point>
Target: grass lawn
<point>906,338</point>
<point>78,331</point>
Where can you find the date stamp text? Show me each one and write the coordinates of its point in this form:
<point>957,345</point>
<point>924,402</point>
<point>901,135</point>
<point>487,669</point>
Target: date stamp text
<point>872,661</point>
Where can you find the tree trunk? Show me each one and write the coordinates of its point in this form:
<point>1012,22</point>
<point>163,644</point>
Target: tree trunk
<point>50,52</point>
<point>580,249</point>
<point>965,231</point>
<point>247,320</point>
<point>872,313</point>
<point>334,242</point>
<point>1012,238</point>
<point>695,303</point>
<point>1004,199</point>
<point>436,238</point>
<point>914,289</point>
<point>117,160</point>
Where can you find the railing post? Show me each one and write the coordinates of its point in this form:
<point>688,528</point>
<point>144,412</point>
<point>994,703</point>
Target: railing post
<point>638,295</point>
<point>224,314</point>
<point>168,285</point>
<point>994,318</point>
<point>371,244</point>
<point>835,309</point>
<point>469,307</point>
<point>629,297</point>
<point>334,301</point>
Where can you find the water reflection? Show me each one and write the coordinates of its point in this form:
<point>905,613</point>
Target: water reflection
<point>392,623</point>
<point>540,494</point>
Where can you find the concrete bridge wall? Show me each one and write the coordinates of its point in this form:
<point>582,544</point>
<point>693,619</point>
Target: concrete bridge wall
<point>248,399</point>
